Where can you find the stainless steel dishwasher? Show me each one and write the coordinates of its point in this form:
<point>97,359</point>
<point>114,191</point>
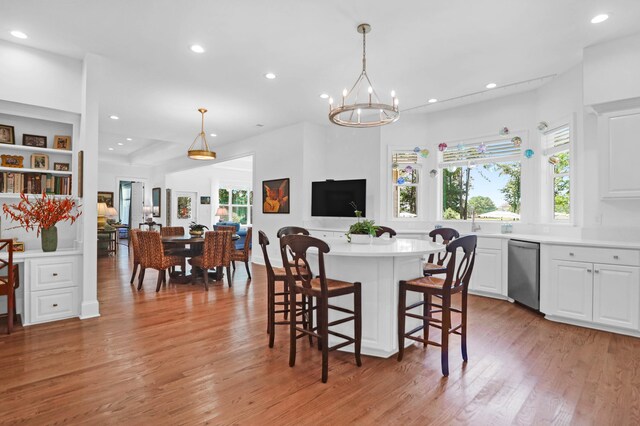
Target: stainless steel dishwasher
<point>524,273</point>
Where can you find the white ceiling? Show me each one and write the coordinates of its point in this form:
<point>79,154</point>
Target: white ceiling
<point>421,48</point>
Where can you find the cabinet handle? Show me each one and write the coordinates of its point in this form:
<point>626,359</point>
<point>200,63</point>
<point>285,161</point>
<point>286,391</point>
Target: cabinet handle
<point>589,270</point>
<point>55,274</point>
<point>596,271</point>
<point>55,305</point>
<point>571,254</point>
<point>616,257</point>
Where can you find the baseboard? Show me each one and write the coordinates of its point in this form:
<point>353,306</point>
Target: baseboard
<point>586,324</point>
<point>89,309</point>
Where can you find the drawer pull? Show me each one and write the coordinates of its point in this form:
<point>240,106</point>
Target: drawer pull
<point>55,305</point>
<point>596,271</point>
<point>55,274</point>
<point>589,270</point>
<point>571,254</point>
<point>616,257</point>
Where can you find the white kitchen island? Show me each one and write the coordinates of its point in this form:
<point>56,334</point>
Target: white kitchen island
<point>379,267</point>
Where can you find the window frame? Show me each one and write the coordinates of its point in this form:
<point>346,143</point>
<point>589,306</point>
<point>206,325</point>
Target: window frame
<point>441,165</point>
<point>548,178</point>
<point>229,206</point>
<point>421,215</point>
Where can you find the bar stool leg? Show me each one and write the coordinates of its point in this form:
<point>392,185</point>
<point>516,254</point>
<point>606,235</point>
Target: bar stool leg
<point>324,333</point>
<point>463,331</point>
<point>357,311</point>
<point>292,327</point>
<point>446,325</point>
<point>402,302</point>
<point>426,311</point>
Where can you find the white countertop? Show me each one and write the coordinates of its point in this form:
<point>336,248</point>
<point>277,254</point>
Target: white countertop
<point>560,240</point>
<point>383,247</point>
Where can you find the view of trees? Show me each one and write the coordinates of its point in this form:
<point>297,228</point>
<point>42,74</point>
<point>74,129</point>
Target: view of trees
<point>458,184</point>
<point>561,193</point>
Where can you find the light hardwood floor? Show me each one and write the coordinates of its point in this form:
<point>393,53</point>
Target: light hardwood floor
<point>185,356</point>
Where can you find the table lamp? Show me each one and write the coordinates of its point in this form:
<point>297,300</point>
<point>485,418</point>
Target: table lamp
<point>112,215</point>
<point>221,212</point>
<point>102,215</point>
<point>147,211</point>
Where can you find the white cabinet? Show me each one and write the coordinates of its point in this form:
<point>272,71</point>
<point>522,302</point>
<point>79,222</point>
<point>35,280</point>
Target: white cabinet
<point>602,294</point>
<point>618,132</point>
<point>572,289</point>
<point>616,295</point>
<point>487,272</point>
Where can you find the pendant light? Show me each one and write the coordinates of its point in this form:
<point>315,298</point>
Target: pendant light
<point>199,149</point>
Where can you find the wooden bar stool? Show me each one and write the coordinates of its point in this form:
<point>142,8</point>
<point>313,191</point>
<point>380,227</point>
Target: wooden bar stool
<point>456,281</point>
<point>385,230</point>
<point>433,266</point>
<point>275,276</point>
<point>322,289</point>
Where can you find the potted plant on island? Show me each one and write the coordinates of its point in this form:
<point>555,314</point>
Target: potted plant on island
<point>363,230</point>
<point>196,229</point>
<point>42,214</point>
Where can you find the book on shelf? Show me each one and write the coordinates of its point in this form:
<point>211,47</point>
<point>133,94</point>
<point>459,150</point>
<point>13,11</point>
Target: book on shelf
<point>34,183</point>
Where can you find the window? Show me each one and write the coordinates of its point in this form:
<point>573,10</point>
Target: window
<point>559,156</point>
<point>239,204</point>
<point>481,177</point>
<point>405,178</point>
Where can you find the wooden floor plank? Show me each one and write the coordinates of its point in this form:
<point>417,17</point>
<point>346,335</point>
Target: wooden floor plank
<point>184,356</point>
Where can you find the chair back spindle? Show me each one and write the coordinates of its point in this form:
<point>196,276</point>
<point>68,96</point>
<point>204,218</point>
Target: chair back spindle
<point>446,235</point>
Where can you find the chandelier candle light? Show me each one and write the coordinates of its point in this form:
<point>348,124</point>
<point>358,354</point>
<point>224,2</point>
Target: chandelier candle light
<point>371,112</point>
<point>201,151</point>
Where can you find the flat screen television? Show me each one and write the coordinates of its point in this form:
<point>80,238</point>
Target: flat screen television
<point>332,198</point>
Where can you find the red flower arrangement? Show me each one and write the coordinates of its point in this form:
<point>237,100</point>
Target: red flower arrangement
<point>41,212</point>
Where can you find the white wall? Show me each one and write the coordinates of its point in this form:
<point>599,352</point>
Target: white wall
<point>110,174</point>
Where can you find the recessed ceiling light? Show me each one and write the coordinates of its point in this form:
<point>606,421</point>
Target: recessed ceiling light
<point>259,125</point>
<point>433,100</point>
<point>129,139</point>
<point>324,96</point>
<point>111,149</point>
<point>213,135</point>
<point>599,18</point>
<point>120,143</point>
<point>491,86</point>
<point>196,48</point>
<point>114,117</point>
<point>269,76</point>
<point>18,34</point>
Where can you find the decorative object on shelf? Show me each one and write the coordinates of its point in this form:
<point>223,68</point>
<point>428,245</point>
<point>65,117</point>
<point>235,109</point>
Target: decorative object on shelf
<point>461,147</point>
<point>442,147</point>
<point>105,197</point>
<point>147,212</point>
<point>543,126</point>
<point>205,200</point>
<point>424,153</point>
<point>553,160</point>
<point>12,161</point>
<point>7,134</point>
<point>433,173</point>
<point>42,214</point>
<point>528,153</point>
<point>40,161</point>
<point>504,131</point>
<point>199,149</point>
<point>371,113</point>
<point>112,215</point>
<point>102,215</point>
<point>61,167</point>
<point>34,140</point>
<point>482,148</point>
<point>62,142</point>
<point>80,173</point>
<point>221,212</point>
<point>18,245</point>
<point>196,230</point>
<point>156,195</point>
<point>516,141</point>
<point>401,181</point>
<point>408,169</point>
<point>394,165</point>
<point>275,196</point>
<point>416,149</point>
<point>363,231</point>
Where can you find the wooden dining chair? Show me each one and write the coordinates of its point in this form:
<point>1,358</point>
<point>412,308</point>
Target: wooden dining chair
<point>436,262</point>
<point>152,256</point>
<point>216,253</point>
<point>176,249</point>
<point>456,281</point>
<point>275,305</point>
<point>291,230</point>
<point>135,245</point>
<point>385,230</point>
<point>243,255</point>
<point>322,289</point>
<point>9,281</point>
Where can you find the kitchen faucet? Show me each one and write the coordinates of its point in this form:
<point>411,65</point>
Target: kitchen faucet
<point>474,226</point>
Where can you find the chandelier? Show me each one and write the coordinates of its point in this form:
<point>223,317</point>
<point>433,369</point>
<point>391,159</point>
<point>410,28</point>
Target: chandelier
<point>354,111</point>
<point>199,149</point>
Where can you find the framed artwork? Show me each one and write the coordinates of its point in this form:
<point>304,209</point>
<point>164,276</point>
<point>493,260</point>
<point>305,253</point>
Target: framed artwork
<point>80,173</point>
<point>40,161</point>
<point>105,197</point>
<point>7,134</point>
<point>275,196</point>
<point>34,140</point>
<point>168,206</point>
<point>205,200</point>
<point>12,161</point>
<point>156,198</point>
<point>61,167</point>
<point>185,208</point>
<point>62,142</point>
<point>18,246</point>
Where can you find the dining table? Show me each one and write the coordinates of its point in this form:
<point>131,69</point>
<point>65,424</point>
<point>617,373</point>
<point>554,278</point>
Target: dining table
<point>195,244</point>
